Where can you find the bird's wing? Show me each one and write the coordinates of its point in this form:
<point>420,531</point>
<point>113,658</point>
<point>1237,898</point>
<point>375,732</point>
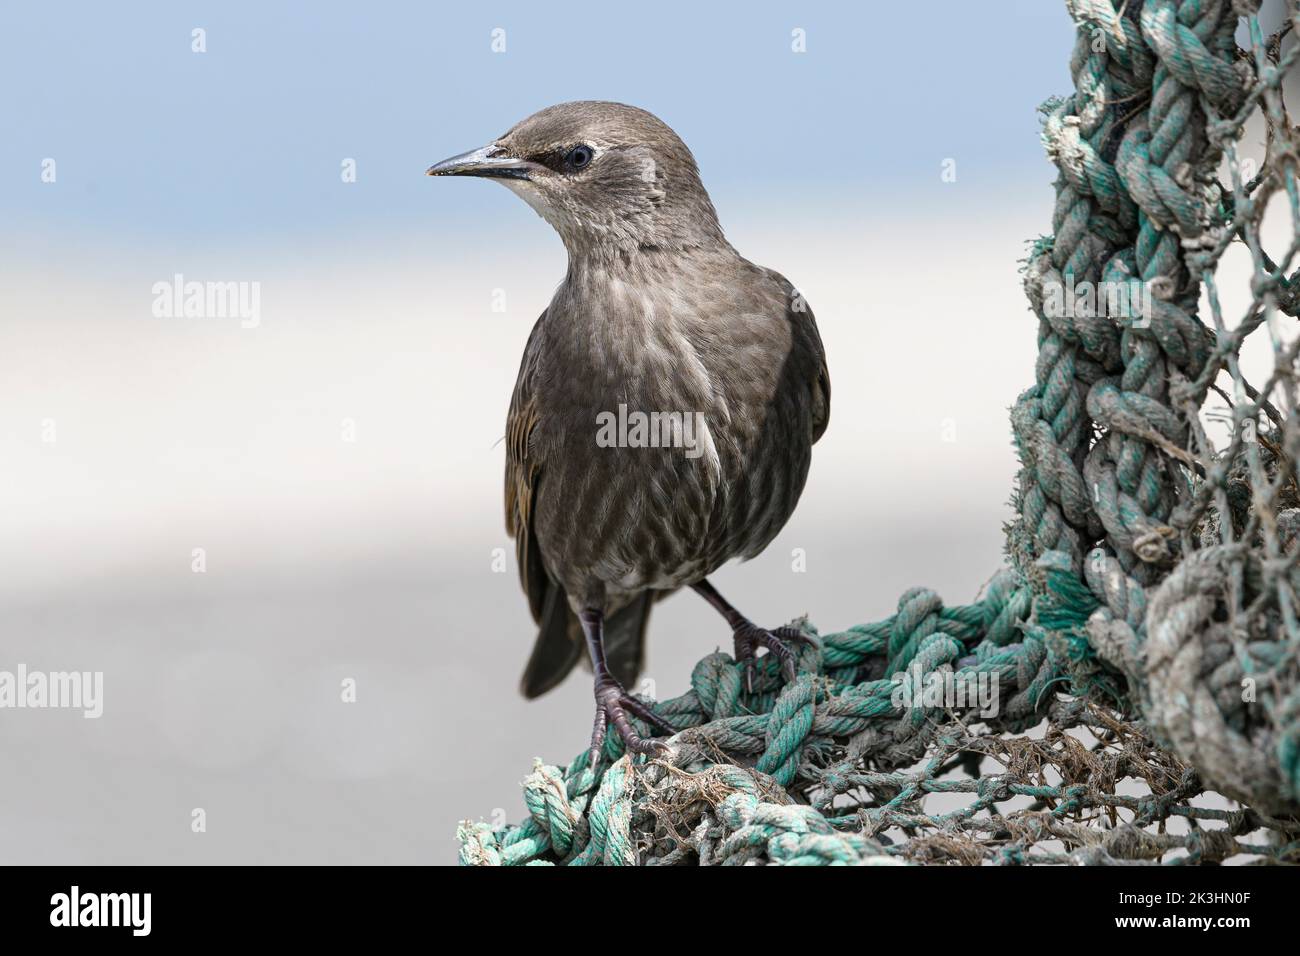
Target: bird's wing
<point>821,389</point>
<point>523,469</point>
<point>809,350</point>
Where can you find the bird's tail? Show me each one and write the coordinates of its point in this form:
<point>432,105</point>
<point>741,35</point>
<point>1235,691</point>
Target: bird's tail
<point>560,643</point>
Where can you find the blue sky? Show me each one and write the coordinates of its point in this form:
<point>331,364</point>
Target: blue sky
<point>158,145</point>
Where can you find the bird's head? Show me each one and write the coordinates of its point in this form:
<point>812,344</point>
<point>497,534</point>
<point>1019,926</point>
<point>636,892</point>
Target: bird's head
<point>610,178</point>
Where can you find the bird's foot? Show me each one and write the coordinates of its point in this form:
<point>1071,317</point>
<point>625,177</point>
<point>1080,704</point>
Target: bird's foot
<point>749,637</point>
<point>613,705</point>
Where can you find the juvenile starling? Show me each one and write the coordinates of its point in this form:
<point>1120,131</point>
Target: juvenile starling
<point>666,406</point>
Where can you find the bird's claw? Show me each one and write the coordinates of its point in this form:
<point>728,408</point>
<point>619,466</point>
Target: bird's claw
<point>749,637</point>
<point>613,705</point>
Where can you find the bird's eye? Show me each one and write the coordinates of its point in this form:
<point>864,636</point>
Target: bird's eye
<point>579,157</point>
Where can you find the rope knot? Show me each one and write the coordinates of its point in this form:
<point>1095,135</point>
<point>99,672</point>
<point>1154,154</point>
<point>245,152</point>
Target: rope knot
<point>788,727</point>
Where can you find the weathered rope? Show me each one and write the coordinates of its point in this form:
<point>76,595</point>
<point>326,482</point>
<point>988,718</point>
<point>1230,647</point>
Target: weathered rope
<point>1152,593</point>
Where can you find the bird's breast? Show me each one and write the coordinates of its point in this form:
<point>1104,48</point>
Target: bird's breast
<point>664,429</point>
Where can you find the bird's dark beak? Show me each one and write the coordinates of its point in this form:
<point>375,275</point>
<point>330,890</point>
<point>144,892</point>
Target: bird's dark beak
<point>491,160</point>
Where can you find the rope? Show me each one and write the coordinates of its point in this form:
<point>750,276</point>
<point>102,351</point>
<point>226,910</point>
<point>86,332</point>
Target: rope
<point>1152,589</point>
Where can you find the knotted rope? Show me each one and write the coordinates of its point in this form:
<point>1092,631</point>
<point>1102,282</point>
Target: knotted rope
<point>1152,590</point>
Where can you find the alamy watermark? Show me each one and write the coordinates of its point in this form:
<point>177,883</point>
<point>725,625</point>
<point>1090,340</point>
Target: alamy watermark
<point>181,299</point>
<point>624,429</point>
<point>63,690</point>
<point>946,688</point>
<point>1128,300</point>
<point>75,908</point>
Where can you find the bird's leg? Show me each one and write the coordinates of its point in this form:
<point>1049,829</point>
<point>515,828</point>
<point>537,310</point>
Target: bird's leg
<point>613,702</point>
<point>748,636</point>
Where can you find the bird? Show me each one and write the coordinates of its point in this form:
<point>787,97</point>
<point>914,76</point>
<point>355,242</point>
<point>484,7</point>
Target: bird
<point>658,320</point>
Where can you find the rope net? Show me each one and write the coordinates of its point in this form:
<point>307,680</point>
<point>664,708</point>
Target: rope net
<point>1142,642</point>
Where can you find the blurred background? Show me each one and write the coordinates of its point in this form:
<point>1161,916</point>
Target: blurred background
<point>340,465</point>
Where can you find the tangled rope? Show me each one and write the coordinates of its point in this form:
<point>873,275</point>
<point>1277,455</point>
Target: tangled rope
<point>1151,598</point>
